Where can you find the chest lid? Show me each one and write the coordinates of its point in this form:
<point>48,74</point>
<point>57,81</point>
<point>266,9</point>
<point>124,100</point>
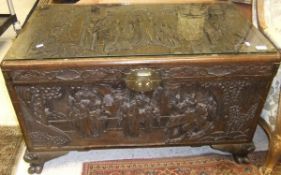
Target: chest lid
<point>131,31</point>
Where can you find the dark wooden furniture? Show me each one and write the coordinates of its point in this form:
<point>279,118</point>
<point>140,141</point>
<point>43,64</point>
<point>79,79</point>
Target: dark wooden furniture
<point>106,76</point>
<point>6,20</point>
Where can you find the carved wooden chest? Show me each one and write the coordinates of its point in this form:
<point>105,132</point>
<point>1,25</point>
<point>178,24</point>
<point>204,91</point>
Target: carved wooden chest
<point>109,76</point>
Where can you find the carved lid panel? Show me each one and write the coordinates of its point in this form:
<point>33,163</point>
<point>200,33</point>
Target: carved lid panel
<point>62,31</point>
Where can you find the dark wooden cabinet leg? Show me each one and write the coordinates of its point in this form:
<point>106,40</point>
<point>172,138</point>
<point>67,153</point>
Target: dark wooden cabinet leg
<point>239,151</point>
<point>38,159</point>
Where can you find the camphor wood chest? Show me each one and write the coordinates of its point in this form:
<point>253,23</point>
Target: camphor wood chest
<point>105,76</point>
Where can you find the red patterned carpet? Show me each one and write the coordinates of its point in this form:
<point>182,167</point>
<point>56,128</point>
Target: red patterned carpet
<point>199,165</point>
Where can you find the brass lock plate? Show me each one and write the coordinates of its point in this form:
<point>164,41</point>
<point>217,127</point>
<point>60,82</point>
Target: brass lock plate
<point>143,80</point>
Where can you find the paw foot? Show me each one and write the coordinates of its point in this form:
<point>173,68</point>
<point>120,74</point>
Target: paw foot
<point>241,159</point>
<point>35,168</point>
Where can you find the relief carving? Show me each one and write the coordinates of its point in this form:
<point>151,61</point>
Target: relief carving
<point>187,111</point>
<point>241,107</point>
<point>119,30</point>
<point>43,138</point>
<point>194,114</point>
<point>110,73</point>
<point>86,111</point>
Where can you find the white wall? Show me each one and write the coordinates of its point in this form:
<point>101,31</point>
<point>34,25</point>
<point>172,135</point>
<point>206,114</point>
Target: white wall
<point>7,114</point>
<point>22,8</point>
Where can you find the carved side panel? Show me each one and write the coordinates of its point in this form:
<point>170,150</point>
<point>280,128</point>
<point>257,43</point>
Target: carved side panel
<point>183,112</point>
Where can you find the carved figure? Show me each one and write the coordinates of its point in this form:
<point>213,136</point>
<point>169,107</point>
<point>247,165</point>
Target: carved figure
<point>186,111</point>
<point>194,109</point>
<point>86,112</point>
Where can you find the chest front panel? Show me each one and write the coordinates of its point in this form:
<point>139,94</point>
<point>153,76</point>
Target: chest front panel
<point>94,107</point>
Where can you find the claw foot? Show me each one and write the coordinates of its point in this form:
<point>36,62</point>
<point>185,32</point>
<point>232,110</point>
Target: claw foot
<point>35,168</point>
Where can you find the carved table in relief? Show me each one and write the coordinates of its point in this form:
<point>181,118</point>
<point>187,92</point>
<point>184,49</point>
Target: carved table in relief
<point>107,76</point>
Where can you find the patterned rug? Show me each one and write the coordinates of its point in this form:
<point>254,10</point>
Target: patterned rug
<point>258,159</point>
<point>199,165</point>
<point>10,143</point>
